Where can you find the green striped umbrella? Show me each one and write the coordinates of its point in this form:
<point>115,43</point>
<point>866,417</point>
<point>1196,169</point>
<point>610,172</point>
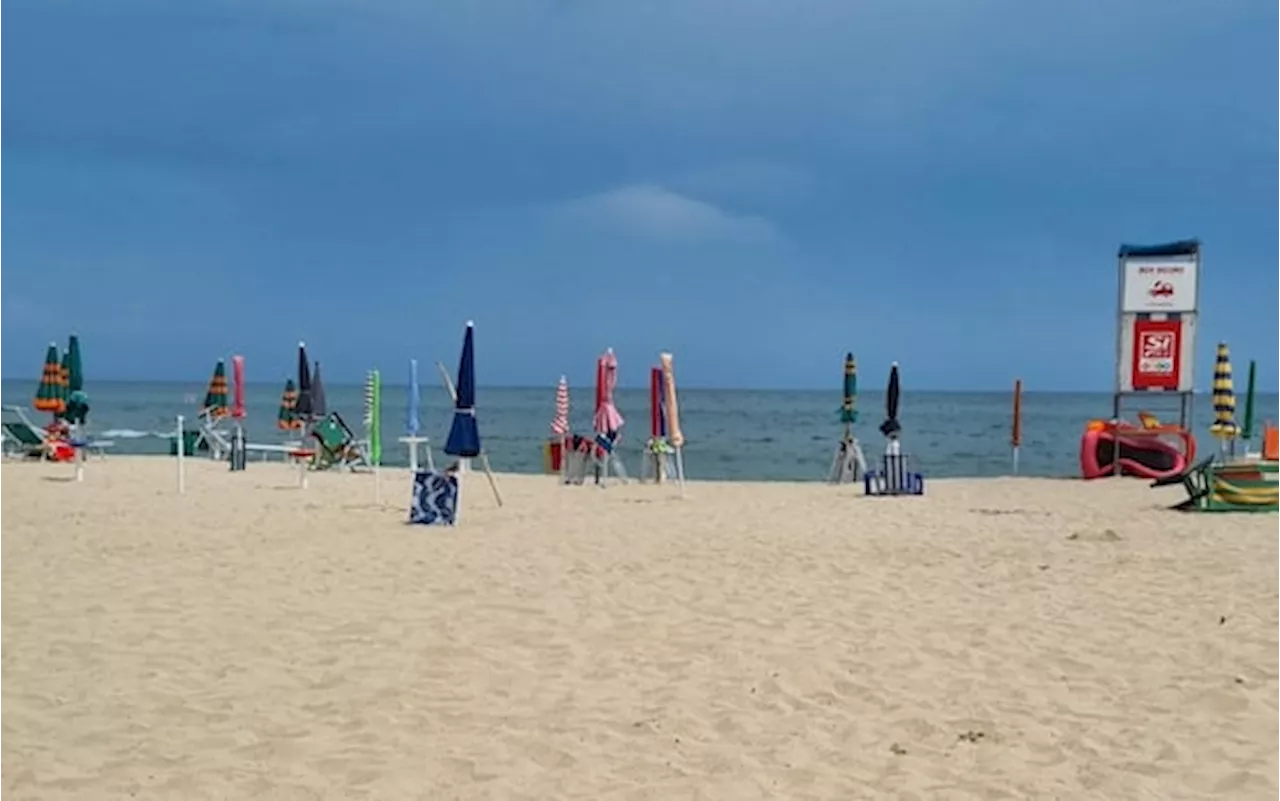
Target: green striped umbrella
<point>51,395</point>
<point>77,399</point>
<point>215,397</point>
<point>287,417</point>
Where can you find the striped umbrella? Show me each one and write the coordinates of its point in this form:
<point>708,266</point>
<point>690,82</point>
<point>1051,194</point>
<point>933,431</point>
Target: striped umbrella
<point>848,409</point>
<point>560,423</point>
<point>373,415</point>
<point>607,418</point>
<point>215,397</point>
<point>1224,397</point>
<point>287,418</point>
<point>51,395</point>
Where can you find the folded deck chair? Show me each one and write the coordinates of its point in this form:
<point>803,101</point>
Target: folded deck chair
<point>213,439</point>
<point>338,445</point>
<point>606,456</point>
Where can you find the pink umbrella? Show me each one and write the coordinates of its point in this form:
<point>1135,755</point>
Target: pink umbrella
<point>607,419</point>
<point>237,373</point>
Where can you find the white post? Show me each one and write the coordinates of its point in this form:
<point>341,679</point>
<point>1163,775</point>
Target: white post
<point>182,478</point>
<point>413,454</point>
<point>77,439</point>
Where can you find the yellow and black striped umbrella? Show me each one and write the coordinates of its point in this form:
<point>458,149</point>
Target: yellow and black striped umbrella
<point>1224,397</point>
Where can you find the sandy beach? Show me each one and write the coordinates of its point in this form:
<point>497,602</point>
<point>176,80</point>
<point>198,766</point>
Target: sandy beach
<point>1004,638</point>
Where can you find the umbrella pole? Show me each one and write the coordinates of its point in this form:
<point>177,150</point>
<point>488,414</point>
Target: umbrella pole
<point>182,479</point>
<point>488,471</point>
<point>680,469</point>
<point>79,446</point>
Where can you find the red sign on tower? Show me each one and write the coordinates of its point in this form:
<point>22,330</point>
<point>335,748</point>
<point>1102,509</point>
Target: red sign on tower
<point>1156,351</point>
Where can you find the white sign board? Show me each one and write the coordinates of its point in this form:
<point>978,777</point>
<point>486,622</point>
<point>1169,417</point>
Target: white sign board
<point>1158,285</point>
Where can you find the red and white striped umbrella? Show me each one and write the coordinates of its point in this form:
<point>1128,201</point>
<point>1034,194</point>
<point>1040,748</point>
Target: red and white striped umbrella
<point>560,423</point>
<point>607,418</point>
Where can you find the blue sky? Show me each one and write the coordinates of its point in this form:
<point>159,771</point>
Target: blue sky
<point>758,186</point>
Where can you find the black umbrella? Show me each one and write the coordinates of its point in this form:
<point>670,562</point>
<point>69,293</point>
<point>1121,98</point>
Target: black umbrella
<point>317,394</point>
<point>892,395</point>
<point>303,408</point>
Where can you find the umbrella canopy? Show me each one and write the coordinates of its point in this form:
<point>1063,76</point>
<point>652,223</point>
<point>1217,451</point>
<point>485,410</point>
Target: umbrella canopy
<point>1224,397</point>
<point>318,406</point>
<point>51,395</point>
<point>1246,430</point>
<point>237,396</point>
<point>657,426</point>
<point>464,435</point>
<point>892,396</point>
<point>215,397</point>
<point>287,417</point>
<point>415,401</point>
<point>77,400</point>
<point>302,408</point>
<point>848,409</point>
<point>373,414</point>
<point>607,418</point>
<point>560,423</point>
<point>671,405</point>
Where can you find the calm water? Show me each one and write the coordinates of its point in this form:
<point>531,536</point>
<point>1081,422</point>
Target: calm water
<point>732,434</point>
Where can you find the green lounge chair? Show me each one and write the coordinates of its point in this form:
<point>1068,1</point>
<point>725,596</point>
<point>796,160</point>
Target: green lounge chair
<point>1248,486</point>
<point>338,446</point>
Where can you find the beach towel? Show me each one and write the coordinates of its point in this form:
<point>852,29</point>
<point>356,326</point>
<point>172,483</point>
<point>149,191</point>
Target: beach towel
<point>435,498</point>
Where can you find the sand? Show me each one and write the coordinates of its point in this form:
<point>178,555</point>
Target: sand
<point>1010,638</point>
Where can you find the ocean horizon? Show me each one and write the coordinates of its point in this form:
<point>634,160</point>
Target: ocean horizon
<point>732,434</point>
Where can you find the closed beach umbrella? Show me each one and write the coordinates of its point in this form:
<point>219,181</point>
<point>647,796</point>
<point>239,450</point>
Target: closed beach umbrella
<point>318,406</point>
<point>607,418</point>
<point>287,418</point>
<point>1246,431</point>
<point>215,397</point>
<point>560,422</point>
<point>415,401</point>
<point>302,408</point>
<point>848,409</point>
<point>1224,397</point>
<point>892,396</point>
<point>237,396</point>
<point>464,435</point>
<point>373,415</point>
<point>77,399</point>
<point>51,394</point>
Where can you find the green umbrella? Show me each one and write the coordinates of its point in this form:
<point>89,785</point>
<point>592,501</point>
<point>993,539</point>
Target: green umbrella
<point>51,395</point>
<point>287,417</point>
<point>215,397</point>
<point>1246,432</point>
<point>77,399</point>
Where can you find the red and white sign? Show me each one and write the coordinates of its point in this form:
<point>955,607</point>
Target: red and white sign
<point>1157,354</point>
<point>1159,286</point>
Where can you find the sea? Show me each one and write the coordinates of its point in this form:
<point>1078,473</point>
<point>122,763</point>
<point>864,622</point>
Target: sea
<point>731,434</point>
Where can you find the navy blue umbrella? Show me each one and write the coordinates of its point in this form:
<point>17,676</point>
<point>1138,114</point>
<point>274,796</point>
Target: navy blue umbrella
<point>890,427</point>
<point>318,407</point>
<point>303,408</point>
<point>464,436</point>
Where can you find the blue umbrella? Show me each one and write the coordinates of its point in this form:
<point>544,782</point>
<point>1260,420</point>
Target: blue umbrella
<point>890,427</point>
<point>464,436</point>
<point>415,400</point>
<point>303,407</point>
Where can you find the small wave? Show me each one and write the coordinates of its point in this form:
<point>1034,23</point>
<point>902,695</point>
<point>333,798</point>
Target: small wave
<point>129,433</point>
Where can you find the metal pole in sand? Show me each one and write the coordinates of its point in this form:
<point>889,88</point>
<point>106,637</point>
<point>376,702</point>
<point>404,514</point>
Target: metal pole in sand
<point>182,478</point>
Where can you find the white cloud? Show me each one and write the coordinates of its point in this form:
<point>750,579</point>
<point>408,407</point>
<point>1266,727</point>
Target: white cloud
<point>656,212</point>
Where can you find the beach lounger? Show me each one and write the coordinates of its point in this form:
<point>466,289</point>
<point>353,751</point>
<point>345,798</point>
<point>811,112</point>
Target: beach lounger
<point>338,446</point>
<point>213,439</point>
<point>23,439</point>
<point>606,457</point>
<point>1247,486</point>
